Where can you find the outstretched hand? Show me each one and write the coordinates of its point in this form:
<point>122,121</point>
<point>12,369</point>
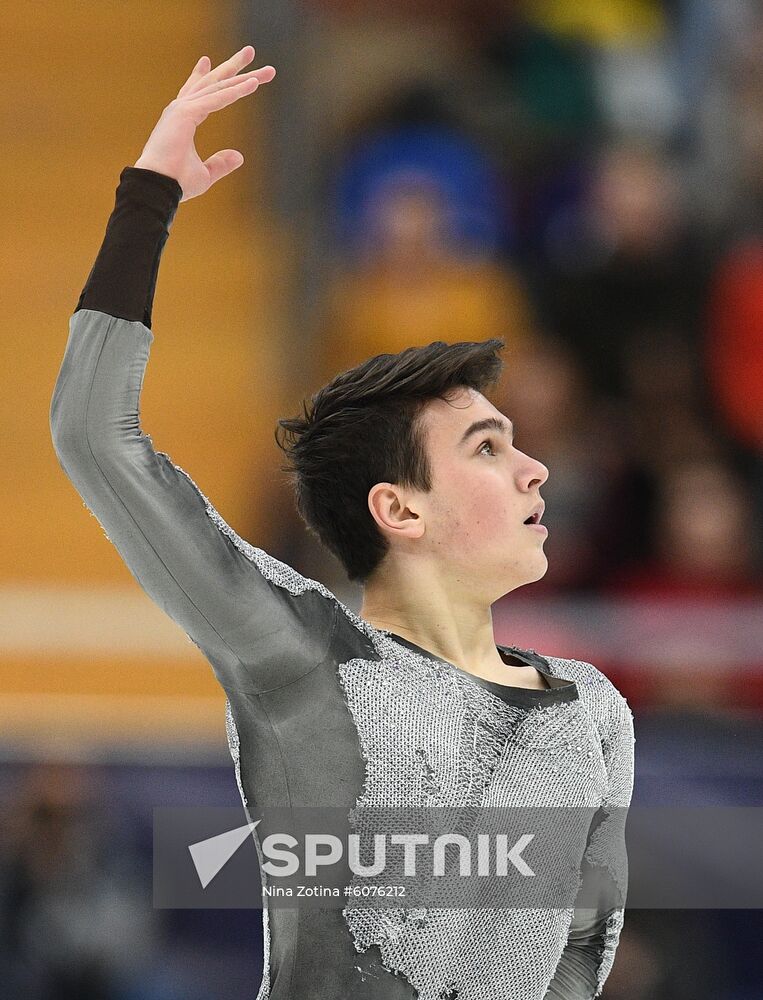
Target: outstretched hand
<point>170,149</point>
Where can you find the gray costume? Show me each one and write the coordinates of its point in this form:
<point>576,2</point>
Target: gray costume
<point>323,709</point>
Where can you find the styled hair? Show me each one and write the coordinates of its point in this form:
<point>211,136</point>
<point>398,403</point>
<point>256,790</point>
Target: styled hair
<point>364,428</point>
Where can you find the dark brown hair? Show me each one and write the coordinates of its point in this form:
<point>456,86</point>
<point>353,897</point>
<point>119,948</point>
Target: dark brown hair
<point>363,428</point>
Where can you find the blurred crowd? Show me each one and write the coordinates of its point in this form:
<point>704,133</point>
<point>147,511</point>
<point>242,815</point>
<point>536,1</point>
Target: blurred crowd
<point>77,921</point>
<point>595,200</point>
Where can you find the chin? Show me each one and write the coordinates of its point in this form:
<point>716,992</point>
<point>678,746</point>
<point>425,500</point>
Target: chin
<point>532,575</point>
<point>540,572</point>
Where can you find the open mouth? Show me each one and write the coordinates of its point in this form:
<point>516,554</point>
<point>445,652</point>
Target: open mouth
<point>533,521</point>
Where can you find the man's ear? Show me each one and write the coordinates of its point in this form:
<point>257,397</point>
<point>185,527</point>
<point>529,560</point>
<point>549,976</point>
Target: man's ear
<point>392,509</point>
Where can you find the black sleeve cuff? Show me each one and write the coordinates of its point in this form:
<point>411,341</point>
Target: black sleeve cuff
<point>123,278</point>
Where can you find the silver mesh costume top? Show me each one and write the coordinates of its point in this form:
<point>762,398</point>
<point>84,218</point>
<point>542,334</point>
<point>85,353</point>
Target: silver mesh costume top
<point>323,709</point>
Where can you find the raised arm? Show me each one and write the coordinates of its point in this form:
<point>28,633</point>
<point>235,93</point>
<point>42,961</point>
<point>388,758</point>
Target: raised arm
<point>258,621</point>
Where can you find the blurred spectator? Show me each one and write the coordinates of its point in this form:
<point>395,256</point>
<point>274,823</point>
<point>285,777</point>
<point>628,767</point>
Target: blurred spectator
<point>415,290</point>
<point>412,132</point>
<point>627,267</point>
<point>73,925</point>
<point>701,553</point>
<point>420,227</point>
<point>734,358</point>
<point>702,538</point>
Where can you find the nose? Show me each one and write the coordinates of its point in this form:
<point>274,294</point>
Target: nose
<point>537,473</point>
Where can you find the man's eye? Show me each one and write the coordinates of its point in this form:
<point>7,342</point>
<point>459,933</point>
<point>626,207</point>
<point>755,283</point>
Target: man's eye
<point>489,445</point>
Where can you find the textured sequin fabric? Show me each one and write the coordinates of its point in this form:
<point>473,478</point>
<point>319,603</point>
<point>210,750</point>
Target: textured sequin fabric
<point>419,751</point>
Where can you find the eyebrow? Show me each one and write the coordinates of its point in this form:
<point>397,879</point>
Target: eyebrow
<point>488,424</point>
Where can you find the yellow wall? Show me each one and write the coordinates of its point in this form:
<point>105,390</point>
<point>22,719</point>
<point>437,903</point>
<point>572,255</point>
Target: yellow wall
<point>83,85</point>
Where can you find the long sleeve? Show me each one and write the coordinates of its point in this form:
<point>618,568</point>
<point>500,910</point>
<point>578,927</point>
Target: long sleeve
<point>594,932</point>
<point>123,278</point>
<point>575,977</point>
<point>256,619</point>
<point>607,848</point>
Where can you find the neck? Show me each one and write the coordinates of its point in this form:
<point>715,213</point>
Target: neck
<point>442,616</point>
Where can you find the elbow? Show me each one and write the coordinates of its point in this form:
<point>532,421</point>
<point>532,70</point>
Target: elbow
<point>61,425</point>
<point>76,438</point>
<point>71,450</point>
<point>67,428</point>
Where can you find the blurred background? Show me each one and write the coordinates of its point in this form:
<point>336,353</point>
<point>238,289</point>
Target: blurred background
<point>583,178</point>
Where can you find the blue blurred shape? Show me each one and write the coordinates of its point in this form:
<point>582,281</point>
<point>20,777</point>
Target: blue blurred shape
<point>472,189</point>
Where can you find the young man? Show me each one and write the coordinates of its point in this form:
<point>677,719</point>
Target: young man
<point>409,475</point>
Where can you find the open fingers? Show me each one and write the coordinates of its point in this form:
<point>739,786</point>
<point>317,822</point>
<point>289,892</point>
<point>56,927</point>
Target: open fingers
<point>226,91</point>
<point>263,75</point>
<point>199,71</point>
<point>224,71</point>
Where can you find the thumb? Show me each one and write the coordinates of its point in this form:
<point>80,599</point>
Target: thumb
<point>222,163</point>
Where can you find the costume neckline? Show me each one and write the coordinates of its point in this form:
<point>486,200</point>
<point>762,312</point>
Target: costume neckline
<point>560,690</point>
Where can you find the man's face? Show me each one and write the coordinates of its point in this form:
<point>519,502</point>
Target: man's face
<point>483,489</point>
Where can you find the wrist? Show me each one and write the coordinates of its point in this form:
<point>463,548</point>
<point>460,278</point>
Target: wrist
<point>149,179</point>
<point>144,164</point>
